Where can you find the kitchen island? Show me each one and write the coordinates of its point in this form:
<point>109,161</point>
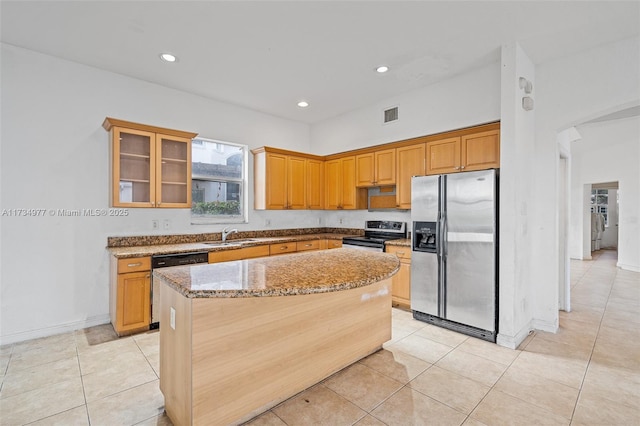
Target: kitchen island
<point>237,338</point>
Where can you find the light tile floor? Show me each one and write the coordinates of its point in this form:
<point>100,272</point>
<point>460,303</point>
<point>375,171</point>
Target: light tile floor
<point>587,373</point>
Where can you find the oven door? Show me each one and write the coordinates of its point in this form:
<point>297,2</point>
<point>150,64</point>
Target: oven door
<point>362,244</point>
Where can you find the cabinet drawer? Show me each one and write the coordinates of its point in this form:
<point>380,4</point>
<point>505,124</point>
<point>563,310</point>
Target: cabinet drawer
<point>308,245</point>
<point>240,254</point>
<point>134,264</point>
<point>401,252</point>
<point>334,244</point>
<point>282,248</point>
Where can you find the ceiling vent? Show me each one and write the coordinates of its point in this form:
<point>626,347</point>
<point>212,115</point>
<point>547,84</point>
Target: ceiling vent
<point>390,115</point>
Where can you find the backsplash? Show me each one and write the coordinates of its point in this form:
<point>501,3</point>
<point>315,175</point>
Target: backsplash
<point>151,240</point>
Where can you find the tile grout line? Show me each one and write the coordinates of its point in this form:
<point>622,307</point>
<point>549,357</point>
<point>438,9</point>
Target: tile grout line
<point>575,406</point>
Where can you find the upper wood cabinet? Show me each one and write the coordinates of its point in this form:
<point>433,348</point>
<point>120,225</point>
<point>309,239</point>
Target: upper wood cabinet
<point>151,166</point>
<point>315,184</point>
<point>340,184</point>
<point>481,151</point>
<point>285,181</point>
<point>376,168</point>
<point>477,151</point>
<point>410,162</point>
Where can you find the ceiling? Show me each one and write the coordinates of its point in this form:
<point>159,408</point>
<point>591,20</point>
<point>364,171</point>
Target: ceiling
<point>267,55</point>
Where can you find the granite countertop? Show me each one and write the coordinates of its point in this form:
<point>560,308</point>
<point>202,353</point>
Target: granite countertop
<point>156,249</point>
<point>403,242</point>
<point>298,273</point>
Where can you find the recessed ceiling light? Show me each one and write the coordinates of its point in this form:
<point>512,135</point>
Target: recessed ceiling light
<point>382,69</point>
<point>168,57</point>
<point>303,104</point>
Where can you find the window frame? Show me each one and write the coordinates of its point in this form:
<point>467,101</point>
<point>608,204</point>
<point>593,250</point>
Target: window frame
<point>243,217</point>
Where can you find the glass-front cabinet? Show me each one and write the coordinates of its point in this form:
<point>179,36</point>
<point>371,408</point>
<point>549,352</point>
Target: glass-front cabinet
<point>151,166</point>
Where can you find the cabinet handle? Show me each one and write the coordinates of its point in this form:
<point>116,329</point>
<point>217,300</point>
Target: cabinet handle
<point>457,168</point>
<point>284,247</point>
<point>131,265</point>
<point>462,167</point>
<point>148,276</point>
<point>308,245</point>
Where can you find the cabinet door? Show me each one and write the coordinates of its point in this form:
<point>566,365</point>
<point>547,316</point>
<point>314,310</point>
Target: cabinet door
<point>481,151</point>
<point>315,184</point>
<point>348,183</point>
<point>173,166</point>
<point>133,168</point>
<point>401,285</point>
<point>276,181</point>
<point>296,183</point>
<point>333,187</point>
<point>365,166</point>
<point>385,167</point>
<point>443,156</point>
<point>410,162</point>
<point>133,301</point>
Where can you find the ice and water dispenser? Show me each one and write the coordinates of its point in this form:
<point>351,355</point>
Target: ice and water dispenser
<point>425,237</point>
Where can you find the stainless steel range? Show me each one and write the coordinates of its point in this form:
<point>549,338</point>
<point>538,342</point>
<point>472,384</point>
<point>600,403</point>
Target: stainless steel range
<point>376,232</point>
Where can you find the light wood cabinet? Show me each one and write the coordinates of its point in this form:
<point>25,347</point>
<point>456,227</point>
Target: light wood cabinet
<point>315,184</point>
<point>481,151</point>
<point>130,295</point>
<point>401,281</point>
<point>283,181</point>
<point>239,254</point>
<point>411,162</point>
<point>376,168</point>
<point>330,244</point>
<point>151,166</point>
<point>308,245</point>
<point>282,248</point>
<point>340,184</point>
<point>477,151</point>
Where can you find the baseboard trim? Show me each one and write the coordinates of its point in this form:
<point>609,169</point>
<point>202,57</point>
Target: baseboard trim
<point>56,329</point>
<point>512,342</point>
<point>551,327</point>
<point>632,268</point>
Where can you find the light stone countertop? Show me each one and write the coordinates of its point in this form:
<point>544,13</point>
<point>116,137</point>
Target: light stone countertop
<point>403,242</point>
<point>284,275</point>
<point>157,249</point>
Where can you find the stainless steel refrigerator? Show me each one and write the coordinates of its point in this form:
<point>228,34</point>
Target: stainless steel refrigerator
<point>454,273</point>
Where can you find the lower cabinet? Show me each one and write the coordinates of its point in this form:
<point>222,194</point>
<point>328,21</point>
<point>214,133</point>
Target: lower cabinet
<point>401,282</point>
<point>130,304</point>
<point>330,244</point>
<point>282,248</point>
<point>239,254</point>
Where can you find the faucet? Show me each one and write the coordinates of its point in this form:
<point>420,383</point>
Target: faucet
<point>226,231</point>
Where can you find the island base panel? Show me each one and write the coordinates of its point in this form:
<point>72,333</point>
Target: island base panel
<point>249,354</point>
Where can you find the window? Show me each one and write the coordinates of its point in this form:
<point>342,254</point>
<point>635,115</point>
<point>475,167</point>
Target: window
<point>219,182</point>
<point>600,203</point>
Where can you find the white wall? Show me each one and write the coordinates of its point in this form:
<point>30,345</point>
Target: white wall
<point>610,234</point>
<point>54,270</point>
<point>609,151</point>
<point>463,101</point>
<point>570,91</point>
<point>516,174</point>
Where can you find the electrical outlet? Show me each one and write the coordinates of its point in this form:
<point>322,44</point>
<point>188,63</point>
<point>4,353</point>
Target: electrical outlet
<point>340,221</point>
<point>172,320</point>
<point>155,224</point>
<point>318,221</point>
<point>267,222</point>
<point>166,224</point>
